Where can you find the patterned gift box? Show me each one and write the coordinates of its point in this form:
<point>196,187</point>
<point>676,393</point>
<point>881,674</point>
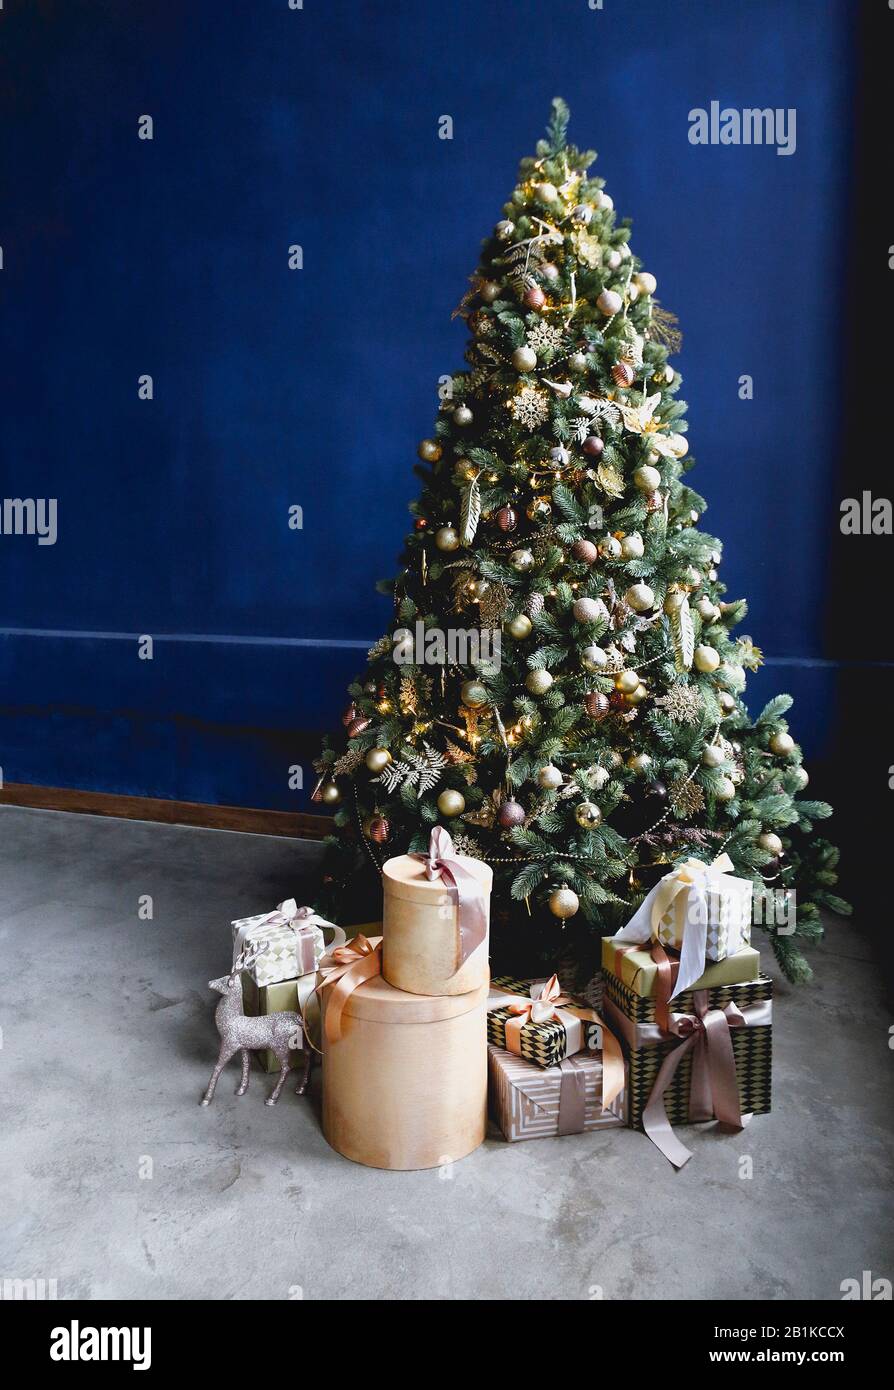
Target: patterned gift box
<point>293,942</point>
<point>632,1018</point>
<point>530,1103</point>
<point>544,1044</point>
<point>639,972</point>
<point>729,918</point>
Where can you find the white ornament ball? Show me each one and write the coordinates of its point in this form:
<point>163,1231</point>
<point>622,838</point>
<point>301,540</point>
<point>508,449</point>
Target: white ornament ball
<point>613,259</point>
<point>447,538</point>
<point>549,778</point>
<point>451,803</point>
<point>645,283</point>
<point>646,478</point>
<point>706,659</point>
<point>633,546</point>
<point>770,842</point>
<point>547,192</point>
<point>538,682</point>
<point>462,415</point>
<point>588,610</point>
<point>639,763</point>
<point>782,744</point>
<point>577,362</point>
<point>705,608</point>
<point>800,777</point>
<point>524,359</point>
<point>549,271</point>
<point>640,598</point>
<point>725,789</point>
<point>712,755</point>
<point>503,230</point>
<point>610,303</point>
<point>597,777</point>
<point>593,658</point>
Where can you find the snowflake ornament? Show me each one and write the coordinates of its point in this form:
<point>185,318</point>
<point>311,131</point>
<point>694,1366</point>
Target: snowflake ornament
<point>530,407</point>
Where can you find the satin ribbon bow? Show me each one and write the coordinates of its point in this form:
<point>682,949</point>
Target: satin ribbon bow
<point>442,862</point>
<point>548,1005</point>
<point>714,1088</point>
<point>301,920</point>
<point>341,970</point>
<point>695,879</point>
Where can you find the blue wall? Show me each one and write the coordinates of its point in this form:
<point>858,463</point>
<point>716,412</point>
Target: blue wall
<point>276,387</point>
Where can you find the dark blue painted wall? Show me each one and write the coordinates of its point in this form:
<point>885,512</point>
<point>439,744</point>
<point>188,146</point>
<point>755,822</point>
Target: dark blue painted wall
<point>276,387</point>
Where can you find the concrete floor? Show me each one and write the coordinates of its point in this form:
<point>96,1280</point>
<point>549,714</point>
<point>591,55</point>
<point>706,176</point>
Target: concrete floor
<point>114,1181</point>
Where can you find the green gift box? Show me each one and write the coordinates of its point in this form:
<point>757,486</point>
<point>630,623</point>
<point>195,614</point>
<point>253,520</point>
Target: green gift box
<point>638,971</point>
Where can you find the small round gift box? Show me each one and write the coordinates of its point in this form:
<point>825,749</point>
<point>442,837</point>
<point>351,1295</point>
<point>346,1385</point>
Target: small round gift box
<point>423,947</point>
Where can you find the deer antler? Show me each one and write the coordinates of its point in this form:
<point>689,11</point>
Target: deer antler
<point>247,957</point>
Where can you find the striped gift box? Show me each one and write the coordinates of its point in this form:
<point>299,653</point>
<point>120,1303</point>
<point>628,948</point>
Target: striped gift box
<point>752,1048</point>
<point>524,1098</point>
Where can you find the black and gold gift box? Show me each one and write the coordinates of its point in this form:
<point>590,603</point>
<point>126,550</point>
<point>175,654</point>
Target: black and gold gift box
<point>632,1018</point>
<point>544,1044</point>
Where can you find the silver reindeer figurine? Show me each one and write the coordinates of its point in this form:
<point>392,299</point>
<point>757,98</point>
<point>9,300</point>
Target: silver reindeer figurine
<point>278,1032</point>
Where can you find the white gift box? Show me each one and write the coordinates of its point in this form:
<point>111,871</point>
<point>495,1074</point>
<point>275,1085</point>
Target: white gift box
<point>728,924</point>
<point>293,942</point>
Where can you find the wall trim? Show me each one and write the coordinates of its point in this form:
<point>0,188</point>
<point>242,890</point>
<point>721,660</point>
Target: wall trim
<point>299,825</point>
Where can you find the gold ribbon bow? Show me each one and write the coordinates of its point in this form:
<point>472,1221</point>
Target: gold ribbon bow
<point>342,970</point>
<point>547,1006</point>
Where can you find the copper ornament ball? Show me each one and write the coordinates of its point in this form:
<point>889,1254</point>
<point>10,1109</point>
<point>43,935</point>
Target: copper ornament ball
<point>534,297</point>
<point>585,552</point>
<point>510,814</point>
<point>596,704</point>
<point>593,445</point>
<point>507,519</point>
<point>623,374</point>
<point>348,714</point>
<point>358,725</point>
<point>378,829</point>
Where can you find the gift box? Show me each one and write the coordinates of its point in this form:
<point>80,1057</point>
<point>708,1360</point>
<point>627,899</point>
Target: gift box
<point>436,918</point>
<point>701,910</point>
<point>747,1006</point>
<point>528,1102</point>
<point>292,939</point>
<point>572,1028</point>
<point>636,969</point>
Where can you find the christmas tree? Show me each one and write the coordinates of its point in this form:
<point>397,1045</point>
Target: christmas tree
<point>561,688</point>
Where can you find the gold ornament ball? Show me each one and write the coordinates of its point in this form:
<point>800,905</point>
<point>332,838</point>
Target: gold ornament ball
<point>539,509</point>
<point>489,291</point>
<point>465,470</point>
<point>646,477</point>
<point>462,416</point>
<point>473,694</point>
<point>587,815</point>
<point>577,362</point>
<point>377,759</point>
<point>770,842</point>
<point>524,359</point>
<point>637,696</point>
<point>451,803</point>
<point>801,778</point>
<point>610,548</point>
<point>639,763</point>
<point>330,794</point>
<point>726,702</point>
<point>632,546</point>
<point>782,744</point>
<point>640,598</point>
<point>549,778</point>
<point>429,450</point>
<point>626,682</point>
<point>706,659</point>
<point>522,561</point>
<point>725,790</point>
<point>478,588</point>
<point>538,682</point>
<point>712,755</point>
<point>674,600</point>
<point>520,626</point>
<point>593,658</point>
<point>563,903</point>
<point>447,538</point>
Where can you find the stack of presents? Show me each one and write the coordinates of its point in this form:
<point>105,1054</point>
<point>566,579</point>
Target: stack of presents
<point>418,1042</point>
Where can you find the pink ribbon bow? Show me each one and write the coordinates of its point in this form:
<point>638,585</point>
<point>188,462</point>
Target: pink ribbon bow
<point>464,888</point>
<point>342,969</point>
<point>714,1087</point>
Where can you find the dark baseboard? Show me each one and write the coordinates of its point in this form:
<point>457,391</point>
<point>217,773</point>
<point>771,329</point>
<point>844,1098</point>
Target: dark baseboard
<point>254,820</point>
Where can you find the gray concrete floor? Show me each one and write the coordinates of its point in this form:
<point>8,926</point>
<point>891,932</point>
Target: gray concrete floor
<point>114,1181</point>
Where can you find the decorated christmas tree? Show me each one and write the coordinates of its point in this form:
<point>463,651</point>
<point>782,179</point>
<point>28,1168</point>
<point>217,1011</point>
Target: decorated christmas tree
<point>561,687</point>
